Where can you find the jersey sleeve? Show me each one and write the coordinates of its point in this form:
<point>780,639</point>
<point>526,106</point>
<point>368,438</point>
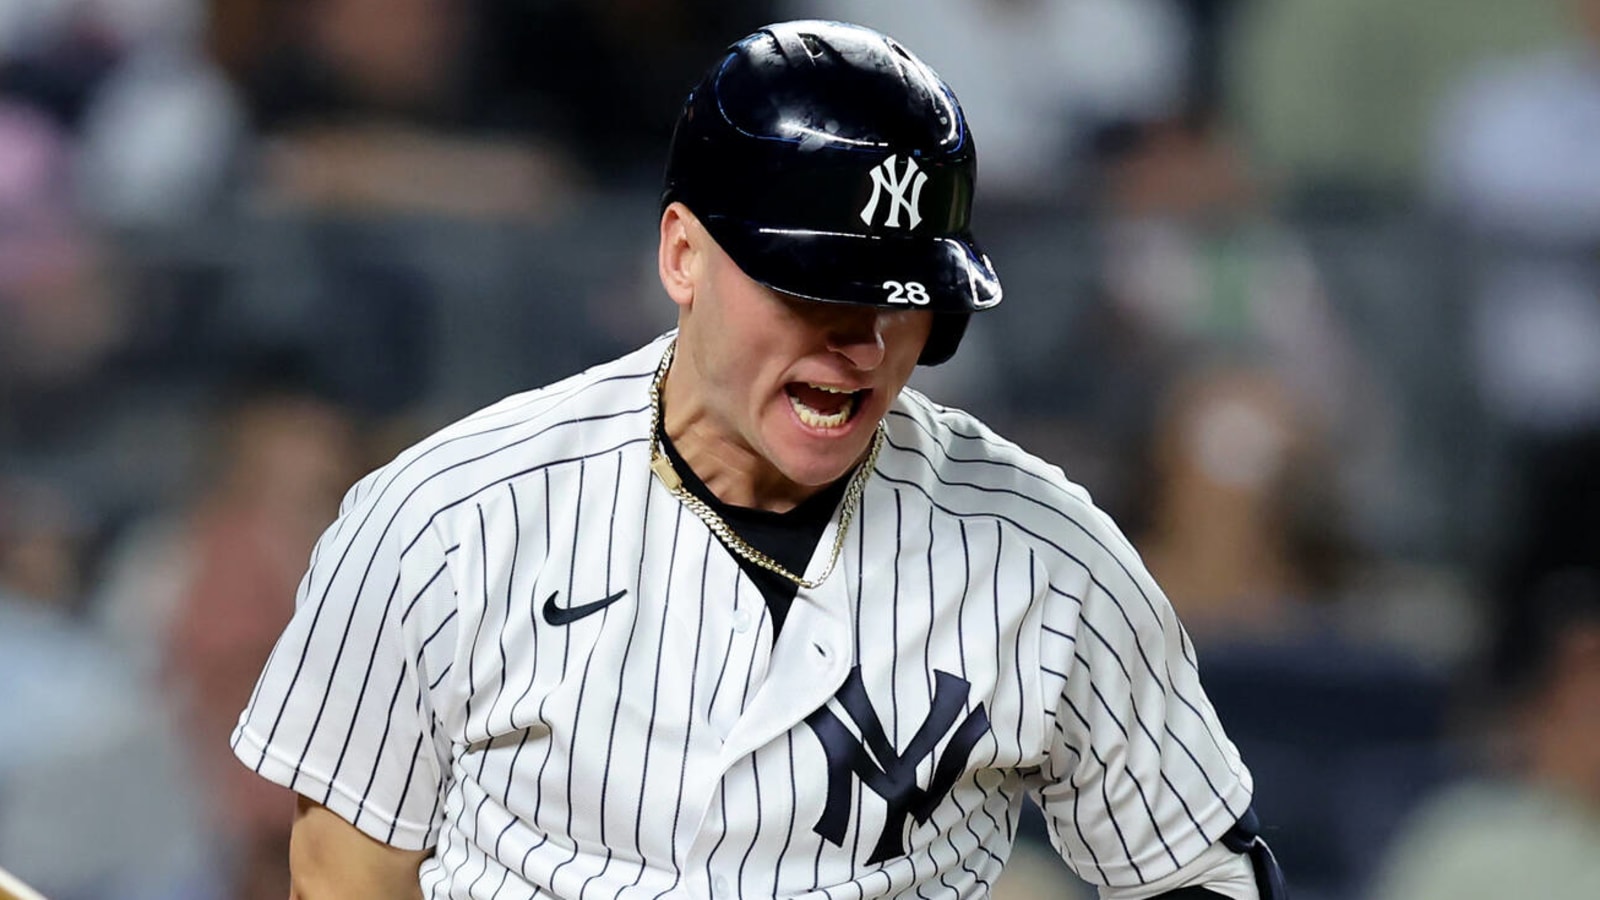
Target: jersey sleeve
<point>1141,779</point>
<point>345,711</point>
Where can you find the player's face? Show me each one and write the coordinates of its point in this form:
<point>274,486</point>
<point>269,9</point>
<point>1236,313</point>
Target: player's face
<point>771,397</point>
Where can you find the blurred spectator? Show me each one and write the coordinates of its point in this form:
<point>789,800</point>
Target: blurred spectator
<point>609,75</point>
<point>1331,95</point>
<point>60,316</point>
<point>53,55</point>
<point>368,106</point>
<point>1244,536</point>
<point>91,802</point>
<point>1197,272</point>
<point>157,129</point>
<point>42,544</point>
<point>163,135</point>
<point>1529,826</point>
<point>1038,75</point>
<point>203,593</point>
<point>1513,172</point>
<point>1200,267</point>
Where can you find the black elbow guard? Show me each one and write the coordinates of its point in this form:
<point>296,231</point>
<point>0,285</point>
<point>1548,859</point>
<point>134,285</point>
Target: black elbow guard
<point>1245,837</point>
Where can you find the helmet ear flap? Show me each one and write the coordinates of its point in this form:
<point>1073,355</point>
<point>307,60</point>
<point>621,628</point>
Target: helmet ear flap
<point>948,329</point>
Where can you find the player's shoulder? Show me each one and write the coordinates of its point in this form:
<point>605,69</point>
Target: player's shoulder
<point>597,411</point>
<point>967,469</point>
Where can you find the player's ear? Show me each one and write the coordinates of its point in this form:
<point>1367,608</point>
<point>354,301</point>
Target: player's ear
<point>678,256</point>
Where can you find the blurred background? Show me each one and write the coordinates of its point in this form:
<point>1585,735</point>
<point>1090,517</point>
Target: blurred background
<point>1306,293</point>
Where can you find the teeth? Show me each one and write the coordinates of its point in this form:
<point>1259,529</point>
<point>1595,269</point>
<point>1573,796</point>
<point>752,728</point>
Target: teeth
<point>823,420</point>
<point>830,389</point>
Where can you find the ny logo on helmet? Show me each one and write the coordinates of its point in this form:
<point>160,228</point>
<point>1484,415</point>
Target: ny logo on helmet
<point>884,181</point>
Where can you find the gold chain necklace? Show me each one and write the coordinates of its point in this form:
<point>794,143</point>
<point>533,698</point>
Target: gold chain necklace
<point>662,466</point>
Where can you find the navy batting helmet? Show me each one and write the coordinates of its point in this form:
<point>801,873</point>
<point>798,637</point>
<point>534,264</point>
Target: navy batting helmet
<point>832,164</point>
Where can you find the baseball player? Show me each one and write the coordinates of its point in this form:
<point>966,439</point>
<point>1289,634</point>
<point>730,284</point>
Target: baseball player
<point>738,614</point>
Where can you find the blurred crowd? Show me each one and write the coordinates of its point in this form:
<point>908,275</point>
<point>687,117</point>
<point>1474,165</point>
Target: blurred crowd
<point>1307,294</point>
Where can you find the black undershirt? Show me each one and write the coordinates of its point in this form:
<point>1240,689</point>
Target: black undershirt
<point>788,537</point>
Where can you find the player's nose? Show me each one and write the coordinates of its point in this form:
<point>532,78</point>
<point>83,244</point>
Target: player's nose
<point>856,333</point>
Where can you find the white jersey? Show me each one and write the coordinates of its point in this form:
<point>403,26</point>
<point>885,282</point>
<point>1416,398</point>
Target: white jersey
<point>516,647</point>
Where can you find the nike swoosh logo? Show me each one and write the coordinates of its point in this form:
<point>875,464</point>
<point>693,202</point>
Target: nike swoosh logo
<point>566,615</point>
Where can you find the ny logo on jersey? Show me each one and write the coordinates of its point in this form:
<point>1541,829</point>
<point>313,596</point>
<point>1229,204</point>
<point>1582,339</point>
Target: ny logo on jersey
<point>884,181</point>
<point>891,775</point>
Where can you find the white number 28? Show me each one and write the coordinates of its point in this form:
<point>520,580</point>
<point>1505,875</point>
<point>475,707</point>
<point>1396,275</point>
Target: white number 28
<point>912,292</point>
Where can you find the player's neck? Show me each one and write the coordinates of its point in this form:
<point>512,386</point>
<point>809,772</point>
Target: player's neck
<point>737,475</point>
<point>733,471</point>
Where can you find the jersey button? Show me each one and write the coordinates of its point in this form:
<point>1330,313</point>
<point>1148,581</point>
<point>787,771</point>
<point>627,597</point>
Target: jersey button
<point>720,885</point>
<point>741,620</point>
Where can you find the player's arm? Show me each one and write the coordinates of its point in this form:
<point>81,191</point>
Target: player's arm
<point>1217,874</point>
<point>1129,678</point>
<point>331,859</point>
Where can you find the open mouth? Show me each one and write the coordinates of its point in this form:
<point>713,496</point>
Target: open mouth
<point>821,406</point>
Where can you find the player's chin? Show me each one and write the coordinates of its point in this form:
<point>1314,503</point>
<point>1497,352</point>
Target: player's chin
<point>821,454</point>
<point>816,470</point>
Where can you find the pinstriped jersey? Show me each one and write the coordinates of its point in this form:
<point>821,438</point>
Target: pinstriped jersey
<point>515,647</point>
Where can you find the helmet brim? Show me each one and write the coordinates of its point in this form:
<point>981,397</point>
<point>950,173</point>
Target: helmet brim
<point>953,273</point>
